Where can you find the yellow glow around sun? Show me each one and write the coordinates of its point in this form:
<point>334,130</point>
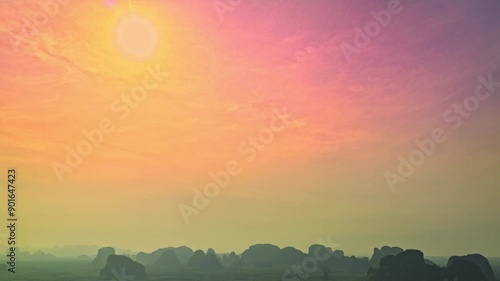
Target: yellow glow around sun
<point>136,36</point>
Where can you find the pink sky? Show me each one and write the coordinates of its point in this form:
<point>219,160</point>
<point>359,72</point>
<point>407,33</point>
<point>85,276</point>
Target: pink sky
<point>323,175</point>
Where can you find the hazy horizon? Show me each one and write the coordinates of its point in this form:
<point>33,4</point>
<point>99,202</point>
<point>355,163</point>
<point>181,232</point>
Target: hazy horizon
<point>143,124</point>
<point>92,250</point>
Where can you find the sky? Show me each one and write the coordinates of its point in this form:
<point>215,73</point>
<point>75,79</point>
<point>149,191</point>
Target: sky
<point>312,106</point>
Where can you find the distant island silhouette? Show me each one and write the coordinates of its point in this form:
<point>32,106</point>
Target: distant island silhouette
<point>386,263</point>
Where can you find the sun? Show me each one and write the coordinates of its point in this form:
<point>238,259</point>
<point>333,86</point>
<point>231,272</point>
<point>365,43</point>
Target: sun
<point>136,36</point>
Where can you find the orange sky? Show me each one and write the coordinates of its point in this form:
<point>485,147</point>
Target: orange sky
<point>221,78</point>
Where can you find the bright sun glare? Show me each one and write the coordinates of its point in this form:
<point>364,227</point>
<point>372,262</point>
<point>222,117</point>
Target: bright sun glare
<point>136,36</point>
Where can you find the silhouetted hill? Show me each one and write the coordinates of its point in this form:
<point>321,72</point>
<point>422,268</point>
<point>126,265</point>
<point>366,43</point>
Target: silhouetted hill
<point>290,255</point>
<point>102,257</point>
<point>261,255</point>
<point>83,257</point>
<point>209,261</point>
<point>410,265</point>
<point>231,260</point>
<point>198,259</point>
<point>212,251</point>
<point>325,258</point>
<point>38,256</point>
<point>212,262</point>
<point>463,270</point>
<point>168,259</point>
<point>480,261</point>
<point>183,254</point>
<point>378,254</point>
<point>123,268</point>
<point>75,250</point>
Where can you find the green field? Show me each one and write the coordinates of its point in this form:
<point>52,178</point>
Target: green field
<point>72,270</point>
<point>76,270</point>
